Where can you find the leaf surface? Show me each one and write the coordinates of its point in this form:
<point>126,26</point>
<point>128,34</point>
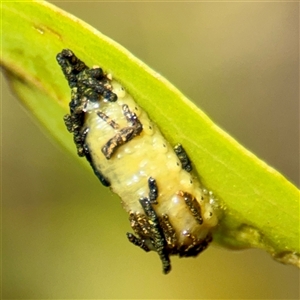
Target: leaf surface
<point>260,207</point>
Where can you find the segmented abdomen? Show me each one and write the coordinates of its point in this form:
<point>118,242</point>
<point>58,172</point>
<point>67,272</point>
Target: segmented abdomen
<point>146,155</point>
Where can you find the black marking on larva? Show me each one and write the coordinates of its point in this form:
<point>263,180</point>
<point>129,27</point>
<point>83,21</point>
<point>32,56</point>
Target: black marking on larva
<point>158,238</point>
<point>183,157</point>
<point>74,124</point>
<point>108,120</point>
<point>84,82</point>
<point>86,85</point>
<point>137,241</point>
<point>88,156</point>
<point>169,232</point>
<point>153,190</point>
<point>150,228</point>
<point>70,65</point>
<point>125,134</point>
<point>193,205</point>
<point>140,225</point>
<point>196,246</point>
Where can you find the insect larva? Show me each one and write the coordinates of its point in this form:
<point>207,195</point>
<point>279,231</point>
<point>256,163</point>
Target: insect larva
<point>168,209</point>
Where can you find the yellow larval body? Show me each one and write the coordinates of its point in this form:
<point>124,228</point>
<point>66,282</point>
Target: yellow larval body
<point>169,211</point>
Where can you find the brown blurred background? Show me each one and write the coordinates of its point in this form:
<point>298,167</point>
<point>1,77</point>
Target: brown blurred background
<point>64,235</point>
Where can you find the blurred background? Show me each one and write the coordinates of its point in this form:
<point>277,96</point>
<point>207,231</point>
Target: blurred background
<point>63,234</point>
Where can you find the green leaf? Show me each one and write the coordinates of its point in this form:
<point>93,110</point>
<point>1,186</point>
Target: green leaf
<point>260,207</point>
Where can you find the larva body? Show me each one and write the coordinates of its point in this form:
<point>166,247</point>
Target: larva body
<point>169,210</point>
